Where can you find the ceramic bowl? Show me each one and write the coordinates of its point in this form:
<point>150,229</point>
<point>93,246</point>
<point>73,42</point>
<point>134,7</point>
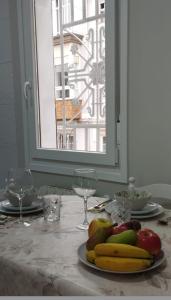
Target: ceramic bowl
<point>138,199</point>
<point>29,197</point>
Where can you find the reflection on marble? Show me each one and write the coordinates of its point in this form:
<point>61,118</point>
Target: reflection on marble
<point>42,259</point>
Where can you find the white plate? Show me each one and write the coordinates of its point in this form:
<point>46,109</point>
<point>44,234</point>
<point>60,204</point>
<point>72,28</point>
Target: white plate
<point>5,211</point>
<point>155,213</point>
<point>82,257</point>
<point>154,210</point>
<point>7,206</point>
<point>149,208</point>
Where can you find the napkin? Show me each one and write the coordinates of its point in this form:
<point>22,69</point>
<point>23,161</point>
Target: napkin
<point>4,219</point>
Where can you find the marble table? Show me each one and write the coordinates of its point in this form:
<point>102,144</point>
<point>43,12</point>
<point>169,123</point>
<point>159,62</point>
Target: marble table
<point>42,259</point>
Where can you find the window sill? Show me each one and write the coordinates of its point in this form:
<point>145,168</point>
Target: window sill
<point>109,174</point>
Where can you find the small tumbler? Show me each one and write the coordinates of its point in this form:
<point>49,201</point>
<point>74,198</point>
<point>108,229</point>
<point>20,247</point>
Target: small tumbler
<point>121,210</point>
<point>51,207</point>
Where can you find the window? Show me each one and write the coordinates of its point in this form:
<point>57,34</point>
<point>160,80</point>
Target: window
<point>82,52</point>
<point>77,71</point>
<point>102,7</point>
<point>56,14</point>
<point>58,84</point>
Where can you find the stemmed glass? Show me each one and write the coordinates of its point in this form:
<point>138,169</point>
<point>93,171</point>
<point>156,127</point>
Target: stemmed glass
<point>84,185</point>
<point>19,188</point>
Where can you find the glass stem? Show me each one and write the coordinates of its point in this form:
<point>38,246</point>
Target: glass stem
<point>20,204</point>
<point>85,211</point>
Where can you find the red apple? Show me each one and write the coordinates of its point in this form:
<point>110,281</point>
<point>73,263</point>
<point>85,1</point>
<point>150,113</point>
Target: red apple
<point>120,228</point>
<point>149,240</point>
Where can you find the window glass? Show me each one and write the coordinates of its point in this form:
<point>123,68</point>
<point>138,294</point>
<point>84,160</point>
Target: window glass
<point>79,75</point>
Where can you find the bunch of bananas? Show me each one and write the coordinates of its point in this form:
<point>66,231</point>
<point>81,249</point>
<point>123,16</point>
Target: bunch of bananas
<point>119,257</point>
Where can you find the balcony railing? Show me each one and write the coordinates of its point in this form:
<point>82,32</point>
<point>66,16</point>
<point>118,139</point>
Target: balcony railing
<point>72,111</point>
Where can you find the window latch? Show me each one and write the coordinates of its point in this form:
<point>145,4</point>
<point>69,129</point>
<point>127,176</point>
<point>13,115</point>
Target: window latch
<point>27,87</point>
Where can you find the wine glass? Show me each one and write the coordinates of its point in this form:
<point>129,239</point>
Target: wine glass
<point>84,185</point>
<point>20,188</point>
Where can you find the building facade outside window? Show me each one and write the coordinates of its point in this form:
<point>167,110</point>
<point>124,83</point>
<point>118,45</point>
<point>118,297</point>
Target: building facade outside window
<point>80,49</point>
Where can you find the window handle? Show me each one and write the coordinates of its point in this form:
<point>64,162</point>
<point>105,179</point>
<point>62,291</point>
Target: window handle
<point>27,87</point>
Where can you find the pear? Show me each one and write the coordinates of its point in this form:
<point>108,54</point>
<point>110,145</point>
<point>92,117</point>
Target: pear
<point>125,237</point>
<point>98,223</point>
<point>98,237</point>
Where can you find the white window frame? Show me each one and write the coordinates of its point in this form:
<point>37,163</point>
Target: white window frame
<point>63,162</point>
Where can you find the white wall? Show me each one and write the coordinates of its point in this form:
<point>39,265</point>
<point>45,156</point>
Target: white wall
<point>149,90</point>
<point>149,95</point>
<point>8,141</point>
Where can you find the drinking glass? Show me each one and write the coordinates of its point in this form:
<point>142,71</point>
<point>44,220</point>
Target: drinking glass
<point>84,185</point>
<point>51,207</point>
<point>121,209</point>
<point>20,187</point>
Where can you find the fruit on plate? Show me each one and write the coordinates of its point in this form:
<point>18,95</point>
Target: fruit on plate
<point>120,250</point>
<point>149,240</point>
<point>90,255</point>
<point>126,237</point>
<point>98,223</point>
<point>133,224</point>
<point>122,264</point>
<point>99,236</point>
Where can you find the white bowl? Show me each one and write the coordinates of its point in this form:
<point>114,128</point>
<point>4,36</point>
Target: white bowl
<point>138,199</point>
<point>26,201</point>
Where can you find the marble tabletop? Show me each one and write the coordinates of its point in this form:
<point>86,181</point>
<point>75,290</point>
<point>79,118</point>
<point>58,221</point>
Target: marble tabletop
<point>42,259</point>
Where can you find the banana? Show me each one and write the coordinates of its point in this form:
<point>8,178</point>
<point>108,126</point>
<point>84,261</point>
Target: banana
<point>90,255</point>
<point>120,250</point>
<point>122,264</point>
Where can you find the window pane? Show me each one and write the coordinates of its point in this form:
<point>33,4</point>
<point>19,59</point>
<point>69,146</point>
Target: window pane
<point>90,8</point>
<point>80,139</point>
<point>76,87</point>
<point>80,46</point>
<point>78,10</point>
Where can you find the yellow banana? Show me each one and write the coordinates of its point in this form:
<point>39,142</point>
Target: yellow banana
<point>122,264</point>
<point>90,255</point>
<point>120,250</point>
